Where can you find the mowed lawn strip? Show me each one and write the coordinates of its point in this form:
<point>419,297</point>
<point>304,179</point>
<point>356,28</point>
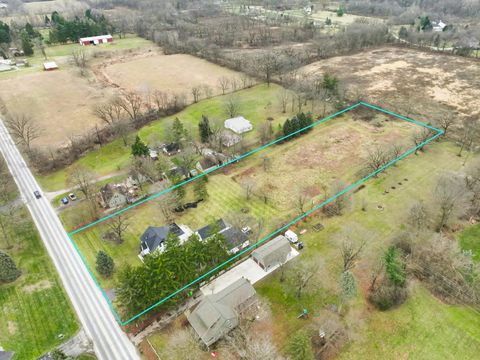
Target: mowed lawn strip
<point>35,314</point>
<point>470,240</point>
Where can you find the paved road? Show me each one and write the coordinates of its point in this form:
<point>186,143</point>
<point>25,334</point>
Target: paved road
<point>110,342</point>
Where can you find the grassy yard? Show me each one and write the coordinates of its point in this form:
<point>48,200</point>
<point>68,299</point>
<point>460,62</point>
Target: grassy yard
<point>470,240</point>
<point>422,328</point>
<point>329,147</point>
<point>35,314</point>
<point>256,104</point>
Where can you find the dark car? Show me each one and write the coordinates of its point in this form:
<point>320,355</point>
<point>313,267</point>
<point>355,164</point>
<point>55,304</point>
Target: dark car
<point>65,200</point>
<point>37,194</point>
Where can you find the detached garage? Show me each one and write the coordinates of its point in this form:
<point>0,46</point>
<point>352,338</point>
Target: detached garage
<point>95,40</point>
<point>273,253</point>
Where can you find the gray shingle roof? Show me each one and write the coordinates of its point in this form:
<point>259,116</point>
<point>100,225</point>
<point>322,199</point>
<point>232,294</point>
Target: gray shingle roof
<point>217,314</point>
<point>207,231</point>
<point>154,236</point>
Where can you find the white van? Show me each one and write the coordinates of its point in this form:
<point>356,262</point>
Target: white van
<point>291,236</point>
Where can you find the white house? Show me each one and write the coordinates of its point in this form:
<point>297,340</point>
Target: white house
<point>238,125</point>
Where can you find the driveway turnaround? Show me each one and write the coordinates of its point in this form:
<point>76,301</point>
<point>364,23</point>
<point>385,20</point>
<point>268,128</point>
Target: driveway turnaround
<point>248,269</point>
<point>109,341</point>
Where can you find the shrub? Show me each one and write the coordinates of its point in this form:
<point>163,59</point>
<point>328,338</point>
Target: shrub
<point>8,269</point>
<point>387,295</point>
<point>104,264</point>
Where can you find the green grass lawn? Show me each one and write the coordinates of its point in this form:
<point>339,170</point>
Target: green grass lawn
<point>422,328</point>
<point>34,310</point>
<point>256,104</point>
<point>470,240</point>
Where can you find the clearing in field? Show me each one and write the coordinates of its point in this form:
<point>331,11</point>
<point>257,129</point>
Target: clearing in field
<point>287,179</point>
<point>178,73</point>
<point>418,80</point>
<point>60,102</point>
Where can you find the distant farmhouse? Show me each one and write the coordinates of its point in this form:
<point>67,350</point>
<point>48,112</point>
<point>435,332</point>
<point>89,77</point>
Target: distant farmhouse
<point>216,315</point>
<point>95,40</point>
<point>238,125</point>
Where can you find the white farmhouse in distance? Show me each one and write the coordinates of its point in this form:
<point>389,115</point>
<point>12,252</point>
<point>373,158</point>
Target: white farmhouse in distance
<point>238,125</point>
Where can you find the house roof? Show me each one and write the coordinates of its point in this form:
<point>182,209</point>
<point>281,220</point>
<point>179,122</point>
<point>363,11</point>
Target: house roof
<point>172,147</point>
<point>207,231</point>
<point>153,237</point>
<point>229,139</point>
<point>217,314</point>
<point>6,355</point>
<point>238,124</point>
<point>273,250</point>
<point>234,237</point>
<point>93,38</point>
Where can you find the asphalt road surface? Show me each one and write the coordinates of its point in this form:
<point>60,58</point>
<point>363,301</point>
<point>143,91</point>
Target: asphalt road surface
<point>109,341</point>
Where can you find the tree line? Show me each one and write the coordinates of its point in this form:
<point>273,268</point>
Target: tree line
<point>163,273</point>
<point>63,30</point>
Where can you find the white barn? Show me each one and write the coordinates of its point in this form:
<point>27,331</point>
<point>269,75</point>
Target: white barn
<point>238,125</point>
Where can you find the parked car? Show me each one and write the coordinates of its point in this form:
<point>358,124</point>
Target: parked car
<point>65,200</point>
<point>72,196</point>
<point>37,194</point>
<point>291,236</point>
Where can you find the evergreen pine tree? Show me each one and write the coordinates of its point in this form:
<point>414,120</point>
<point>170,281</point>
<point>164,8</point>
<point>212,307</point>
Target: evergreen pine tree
<point>8,269</point>
<point>205,130</point>
<point>139,148</point>
<point>27,45</point>
<point>287,129</point>
<point>104,264</point>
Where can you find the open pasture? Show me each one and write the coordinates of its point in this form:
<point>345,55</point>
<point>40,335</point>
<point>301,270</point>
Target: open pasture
<point>175,74</point>
<point>418,82</point>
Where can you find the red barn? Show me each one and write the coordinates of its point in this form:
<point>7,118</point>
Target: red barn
<point>95,40</point>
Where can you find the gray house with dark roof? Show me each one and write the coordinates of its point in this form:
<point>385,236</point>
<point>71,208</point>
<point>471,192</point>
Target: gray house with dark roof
<point>217,314</point>
<point>153,239</point>
<point>236,240</point>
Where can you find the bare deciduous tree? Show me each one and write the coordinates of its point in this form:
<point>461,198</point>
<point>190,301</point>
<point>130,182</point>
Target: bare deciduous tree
<point>224,84</point>
<point>131,102</point>
<point>196,91</point>
<point>231,107</point>
<point>109,112</point>
<point>117,227</point>
<point>80,58</point>
<point>23,129</point>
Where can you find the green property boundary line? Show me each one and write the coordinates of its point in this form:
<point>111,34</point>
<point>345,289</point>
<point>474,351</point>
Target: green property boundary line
<point>438,133</point>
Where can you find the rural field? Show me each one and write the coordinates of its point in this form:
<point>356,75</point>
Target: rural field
<point>256,104</point>
<point>35,313</point>
<point>417,82</point>
<point>304,169</point>
<point>176,74</point>
<point>37,96</point>
<point>374,334</point>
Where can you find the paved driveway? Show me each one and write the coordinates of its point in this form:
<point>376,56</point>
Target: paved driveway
<point>248,269</point>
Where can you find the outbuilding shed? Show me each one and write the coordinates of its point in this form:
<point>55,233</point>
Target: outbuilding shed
<point>238,125</point>
<point>273,253</point>
<point>50,65</point>
<point>95,40</point>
